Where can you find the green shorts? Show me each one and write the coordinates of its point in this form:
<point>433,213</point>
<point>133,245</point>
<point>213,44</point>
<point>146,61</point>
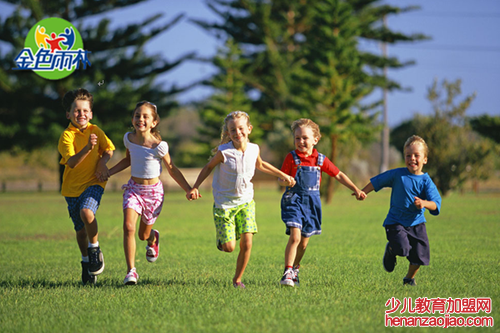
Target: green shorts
<point>232,222</point>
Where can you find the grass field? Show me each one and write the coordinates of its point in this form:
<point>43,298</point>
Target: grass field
<point>343,285</point>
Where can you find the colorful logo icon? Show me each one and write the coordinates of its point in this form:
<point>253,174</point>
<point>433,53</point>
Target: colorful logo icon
<point>53,49</point>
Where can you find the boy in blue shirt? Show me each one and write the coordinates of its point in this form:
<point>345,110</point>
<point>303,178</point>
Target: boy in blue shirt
<point>412,192</point>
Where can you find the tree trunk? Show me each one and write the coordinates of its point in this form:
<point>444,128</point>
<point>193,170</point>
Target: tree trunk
<point>331,181</point>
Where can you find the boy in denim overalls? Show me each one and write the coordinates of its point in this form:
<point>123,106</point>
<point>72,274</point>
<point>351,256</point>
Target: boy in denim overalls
<point>301,204</point>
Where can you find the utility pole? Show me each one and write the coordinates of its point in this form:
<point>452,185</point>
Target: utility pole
<point>384,163</point>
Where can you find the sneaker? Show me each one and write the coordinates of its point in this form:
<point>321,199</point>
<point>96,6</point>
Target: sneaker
<point>86,277</point>
<point>287,279</point>
<point>409,282</point>
<point>389,259</point>
<point>131,277</point>
<point>152,252</point>
<point>96,260</point>
<point>295,279</point>
<point>239,285</point>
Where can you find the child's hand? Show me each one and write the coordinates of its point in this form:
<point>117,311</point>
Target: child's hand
<point>193,194</point>
<point>289,181</point>
<point>360,195</point>
<point>419,203</point>
<point>102,173</point>
<point>92,141</point>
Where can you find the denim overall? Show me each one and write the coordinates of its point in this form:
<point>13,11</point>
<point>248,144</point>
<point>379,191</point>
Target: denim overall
<point>301,204</point>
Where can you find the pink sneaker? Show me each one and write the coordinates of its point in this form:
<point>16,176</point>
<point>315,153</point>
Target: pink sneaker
<point>152,252</point>
<point>131,277</point>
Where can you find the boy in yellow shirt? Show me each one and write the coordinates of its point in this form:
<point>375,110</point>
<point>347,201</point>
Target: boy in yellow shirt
<point>85,150</point>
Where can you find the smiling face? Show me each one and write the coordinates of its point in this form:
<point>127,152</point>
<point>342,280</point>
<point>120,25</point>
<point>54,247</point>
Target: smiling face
<point>238,130</point>
<point>305,140</point>
<point>415,158</point>
<point>80,114</point>
<point>144,120</point>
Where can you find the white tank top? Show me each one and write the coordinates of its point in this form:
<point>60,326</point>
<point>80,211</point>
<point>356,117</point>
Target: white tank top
<point>232,184</point>
<point>145,162</point>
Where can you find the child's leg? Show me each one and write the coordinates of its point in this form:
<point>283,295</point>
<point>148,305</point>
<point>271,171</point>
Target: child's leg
<point>291,246</point>
<point>412,271</point>
<point>243,256</point>
<point>301,249</point>
<point>83,241</point>
<point>90,222</point>
<point>129,224</point>
<point>229,246</point>
<point>146,234</point>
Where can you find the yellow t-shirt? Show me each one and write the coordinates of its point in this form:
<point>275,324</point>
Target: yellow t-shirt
<point>78,179</point>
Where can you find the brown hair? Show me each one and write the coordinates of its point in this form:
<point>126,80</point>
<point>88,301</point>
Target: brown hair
<point>415,139</point>
<point>224,137</point>
<point>304,122</point>
<point>154,111</point>
<point>79,94</point>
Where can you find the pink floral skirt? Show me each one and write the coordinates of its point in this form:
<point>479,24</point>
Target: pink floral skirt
<point>146,200</point>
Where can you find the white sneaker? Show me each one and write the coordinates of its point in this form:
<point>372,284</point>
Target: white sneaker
<point>287,279</point>
<point>131,277</point>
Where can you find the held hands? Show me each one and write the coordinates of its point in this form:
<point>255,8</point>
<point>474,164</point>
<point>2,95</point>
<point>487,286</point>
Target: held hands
<point>102,172</point>
<point>288,181</point>
<point>360,195</point>
<point>193,194</point>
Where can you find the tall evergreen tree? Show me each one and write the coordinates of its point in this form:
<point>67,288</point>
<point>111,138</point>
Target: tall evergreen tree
<point>305,61</point>
<point>31,114</point>
<point>229,95</point>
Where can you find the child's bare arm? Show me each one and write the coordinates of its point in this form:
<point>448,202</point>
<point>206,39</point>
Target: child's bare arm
<point>263,166</point>
<point>122,165</point>
<point>347,182</point>
<point>420,203</point>
<point>76,159</point>
<point>204,173</point>
<point>368,188</point>
<point>175,173</point>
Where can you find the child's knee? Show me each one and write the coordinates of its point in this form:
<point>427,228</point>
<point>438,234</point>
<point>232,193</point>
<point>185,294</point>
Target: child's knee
<point>229,246</point>
<point>87,215</point>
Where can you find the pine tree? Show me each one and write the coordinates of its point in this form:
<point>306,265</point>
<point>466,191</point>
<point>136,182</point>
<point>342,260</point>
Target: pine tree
<point>229,96</point>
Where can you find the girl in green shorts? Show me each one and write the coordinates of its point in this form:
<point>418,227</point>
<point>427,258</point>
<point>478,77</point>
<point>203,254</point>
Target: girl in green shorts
<point>234,162</point>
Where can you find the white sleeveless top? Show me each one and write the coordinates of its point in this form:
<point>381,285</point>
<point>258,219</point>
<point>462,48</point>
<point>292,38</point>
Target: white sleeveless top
<point>232,184</point>
<point>145,162</point>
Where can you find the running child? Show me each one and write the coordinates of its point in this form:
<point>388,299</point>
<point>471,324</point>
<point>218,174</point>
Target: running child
<point>413,191</point>
<point>143,195</point>
<point>85,150</point>
<point>234,162</point>
<point>301,204</point>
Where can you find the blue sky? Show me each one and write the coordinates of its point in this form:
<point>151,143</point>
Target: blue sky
<point>465,45</point>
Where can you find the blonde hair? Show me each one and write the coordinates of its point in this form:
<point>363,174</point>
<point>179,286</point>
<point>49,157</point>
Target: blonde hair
<point>415,139</point>
<point>224,136</point>
<point>156,117</point>
<point>304,122</point>
<point>79,94</point>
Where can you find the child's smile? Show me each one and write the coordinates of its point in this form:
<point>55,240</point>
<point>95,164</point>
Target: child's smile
<point>80,114</point>
<point>143,119</point>
<point>415,158</point>
<point>305,140</point>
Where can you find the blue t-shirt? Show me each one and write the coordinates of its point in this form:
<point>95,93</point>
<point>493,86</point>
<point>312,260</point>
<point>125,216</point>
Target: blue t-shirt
<point>405,187</point>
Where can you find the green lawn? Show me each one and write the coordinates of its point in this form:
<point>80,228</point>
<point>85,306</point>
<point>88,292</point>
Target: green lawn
<point>344,287</point>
